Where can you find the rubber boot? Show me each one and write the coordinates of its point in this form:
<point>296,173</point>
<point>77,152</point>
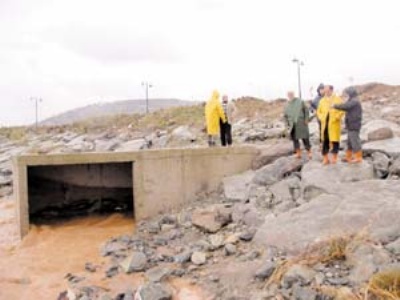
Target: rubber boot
<point>334,158</point>
<point>326,160</point>
<point>298,153</point>
<point>358,158</point>
<point>348,157</point>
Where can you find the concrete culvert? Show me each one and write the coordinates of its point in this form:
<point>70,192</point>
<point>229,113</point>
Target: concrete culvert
<point>65,191</point>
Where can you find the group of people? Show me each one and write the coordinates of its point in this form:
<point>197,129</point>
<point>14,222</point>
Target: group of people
<point>329,109</point>
<point>219,119</point>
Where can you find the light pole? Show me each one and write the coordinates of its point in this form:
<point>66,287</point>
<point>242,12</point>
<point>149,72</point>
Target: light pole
<point>36,100</point>
<point>147,86</point>
<point>299,65</point>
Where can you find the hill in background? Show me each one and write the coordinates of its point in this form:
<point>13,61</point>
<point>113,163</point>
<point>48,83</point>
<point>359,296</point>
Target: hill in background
<point>112,108</point>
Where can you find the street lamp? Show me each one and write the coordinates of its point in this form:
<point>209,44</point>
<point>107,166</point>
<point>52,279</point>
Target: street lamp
<point>147,86</point>
<point>37,101</point>
<point>299,65</point>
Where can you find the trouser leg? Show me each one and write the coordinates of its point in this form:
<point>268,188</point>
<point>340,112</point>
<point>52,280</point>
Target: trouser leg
<point>296,143</point>
<point>319,131</point>
<point>222,133</point>
<point>354,140</point>
<point>307,144</point>
<point>210,140</point>
<point>326,142</point>
<point>229,133</point>
<point>335,147</point>
<point>349,143</point>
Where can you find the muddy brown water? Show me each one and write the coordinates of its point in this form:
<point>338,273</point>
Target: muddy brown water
<point>36,267</point>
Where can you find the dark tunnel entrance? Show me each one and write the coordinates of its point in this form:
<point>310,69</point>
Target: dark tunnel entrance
<point>66,191</point>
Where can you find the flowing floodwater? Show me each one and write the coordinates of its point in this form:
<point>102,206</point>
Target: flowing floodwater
<point>36,267</point>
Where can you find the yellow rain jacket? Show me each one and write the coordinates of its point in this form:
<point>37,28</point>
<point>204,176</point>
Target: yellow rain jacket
<point>335,117</point>
<point>214,112</point>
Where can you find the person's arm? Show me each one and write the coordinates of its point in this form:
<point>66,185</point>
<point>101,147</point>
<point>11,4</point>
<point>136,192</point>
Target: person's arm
<point>339,113</point>
<point>306,113</point>
<point>314,104</point>
<point>221,113</point>
<point>345,106</point>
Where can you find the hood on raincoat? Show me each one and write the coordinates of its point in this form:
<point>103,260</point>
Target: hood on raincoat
<point>351,92</point>
<point>321,86</point>
<point>215,96</point>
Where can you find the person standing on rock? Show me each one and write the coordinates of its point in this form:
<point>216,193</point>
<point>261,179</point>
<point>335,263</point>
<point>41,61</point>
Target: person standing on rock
<point>214,113</point>
<point>226,128</point>
<point>353,120</point>
<point>315,104</point>
<point>297,118</point>
<point>330,119</point>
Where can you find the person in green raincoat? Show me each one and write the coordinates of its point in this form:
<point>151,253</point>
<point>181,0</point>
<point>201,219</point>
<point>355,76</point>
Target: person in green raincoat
<point>297,118</point>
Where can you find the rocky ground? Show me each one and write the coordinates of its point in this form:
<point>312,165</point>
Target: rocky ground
<point>292,229</point>
<point>286,229</point>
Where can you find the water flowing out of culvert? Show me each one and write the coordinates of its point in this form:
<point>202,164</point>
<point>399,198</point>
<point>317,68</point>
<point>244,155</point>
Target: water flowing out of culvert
<point>74,210</point>
<point>36,268</point>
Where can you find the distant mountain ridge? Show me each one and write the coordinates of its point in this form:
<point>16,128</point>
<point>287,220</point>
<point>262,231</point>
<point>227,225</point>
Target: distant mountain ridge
<point>112,108</point>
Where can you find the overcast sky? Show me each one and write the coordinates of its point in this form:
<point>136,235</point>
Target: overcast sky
<point>76,52</point>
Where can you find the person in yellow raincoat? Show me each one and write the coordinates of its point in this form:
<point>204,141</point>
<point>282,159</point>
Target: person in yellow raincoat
<point>330,119</point>
<point>214,112</point>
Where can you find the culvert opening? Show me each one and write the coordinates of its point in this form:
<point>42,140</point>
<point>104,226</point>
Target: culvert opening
<point>60,192</point>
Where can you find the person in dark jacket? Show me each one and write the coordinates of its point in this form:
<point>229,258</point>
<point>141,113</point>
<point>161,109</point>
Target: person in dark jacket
<point>314,105</point>
<point>320,95</point>
<point>353,120</point>
<point>297,118</point>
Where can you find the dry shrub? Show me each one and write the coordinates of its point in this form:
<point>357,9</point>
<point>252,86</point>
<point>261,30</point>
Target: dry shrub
<point>384,285</point>
<point>325,252</point>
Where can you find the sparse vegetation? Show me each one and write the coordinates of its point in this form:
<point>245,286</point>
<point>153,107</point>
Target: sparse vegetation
<point>325,252</point>
<point>161,119</point>
<point>384,285</point>
<point>15,134</point>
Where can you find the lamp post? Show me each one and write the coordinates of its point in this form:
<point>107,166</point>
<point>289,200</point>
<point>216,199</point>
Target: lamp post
<point>37,101</point>
<point>299,65</point>
<point>147,86</point>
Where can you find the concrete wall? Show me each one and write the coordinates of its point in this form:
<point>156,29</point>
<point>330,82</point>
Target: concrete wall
<point>163,179</point>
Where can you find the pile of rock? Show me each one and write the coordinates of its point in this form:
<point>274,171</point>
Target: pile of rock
<point>325,229</point>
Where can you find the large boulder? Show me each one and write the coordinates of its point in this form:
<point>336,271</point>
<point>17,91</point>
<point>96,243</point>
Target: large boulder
<point>286,190</point>
<point>183,133</point>
<point>381,163</point>
<point>391,147</point>
<point>106,145</point>
<point>394,169</point>
<point>366,259</point>
<point>237,187</point>
<point>318,179</point>
<point>248,214</point>
<point>391,113</point>
<point>377,130</point>
<point>133,145</point>
<point>268,154</point>
<point>136,262</point>
<point>380,134</point>
<point>262,134</point>
<point>349,208</point>
<point>154,291</point>
<point>211,219</point>
<point>275,172</point>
